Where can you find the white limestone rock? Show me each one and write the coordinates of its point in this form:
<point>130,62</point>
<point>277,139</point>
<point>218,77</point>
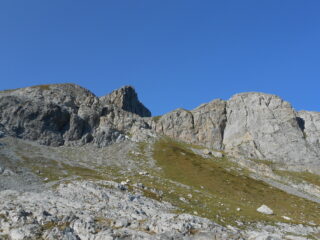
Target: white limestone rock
<point>265,210</point>
<point>203,125</point>
<point>264,126</point>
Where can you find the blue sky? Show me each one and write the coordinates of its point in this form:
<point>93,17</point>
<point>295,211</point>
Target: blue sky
<point>176,53</point>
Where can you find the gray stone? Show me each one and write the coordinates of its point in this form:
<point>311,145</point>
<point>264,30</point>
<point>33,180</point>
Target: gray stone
<point>251,125</point>
<point>78,205</point>
<point>126,98</point>
<point>217,154</point>
<point>265,209</point>
<point>47,114</point>
<point>264,126</point>
<point>203,125</point>
<point>67,114</point>
<point>310,124</point>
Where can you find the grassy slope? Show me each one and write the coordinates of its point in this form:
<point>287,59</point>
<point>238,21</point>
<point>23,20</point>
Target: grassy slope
<point>231,188</point>
<point>218,187</point>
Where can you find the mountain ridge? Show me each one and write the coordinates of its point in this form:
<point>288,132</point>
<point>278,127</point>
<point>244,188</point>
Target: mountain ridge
<point>250,124</point>
<point>77,166</point>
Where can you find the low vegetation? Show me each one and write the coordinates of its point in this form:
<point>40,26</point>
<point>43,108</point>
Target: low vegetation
<point>215,188</point>
<point>300,176</point>
<point>156,118</point>
<point>222,189</point>
<point>43,87</point>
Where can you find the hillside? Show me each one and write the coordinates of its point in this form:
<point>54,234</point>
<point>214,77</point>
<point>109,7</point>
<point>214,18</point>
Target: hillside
<point>77,166</point>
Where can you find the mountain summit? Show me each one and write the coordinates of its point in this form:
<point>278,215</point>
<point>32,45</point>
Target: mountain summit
<point>126,98</point>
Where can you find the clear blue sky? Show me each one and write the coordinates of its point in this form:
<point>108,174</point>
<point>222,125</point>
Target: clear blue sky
<point>176,53</point>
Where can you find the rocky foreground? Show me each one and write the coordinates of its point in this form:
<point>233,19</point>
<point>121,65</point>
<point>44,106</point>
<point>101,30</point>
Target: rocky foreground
<point>85,210</point>
<point>76,166</point>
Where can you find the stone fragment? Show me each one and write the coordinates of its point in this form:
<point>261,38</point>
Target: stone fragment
<point>265,210</point>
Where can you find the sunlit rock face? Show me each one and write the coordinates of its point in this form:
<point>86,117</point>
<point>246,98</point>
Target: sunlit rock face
<point>266,127</point>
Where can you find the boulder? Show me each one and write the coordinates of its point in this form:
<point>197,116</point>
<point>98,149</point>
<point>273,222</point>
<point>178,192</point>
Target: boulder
<point>265,210</point>
<point>217,154</point>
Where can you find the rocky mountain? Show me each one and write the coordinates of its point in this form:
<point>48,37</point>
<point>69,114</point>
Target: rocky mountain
<point>77,166</point>
<point>67,114</point>
<point>253,125</point>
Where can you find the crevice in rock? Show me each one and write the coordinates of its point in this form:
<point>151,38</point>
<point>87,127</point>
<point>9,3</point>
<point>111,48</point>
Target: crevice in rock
<point>223,126</point>
<point>301,123</point>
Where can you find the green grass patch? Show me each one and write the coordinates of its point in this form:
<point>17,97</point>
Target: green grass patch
<point>50,225</point>
<point>225,189</point>
<point>8,90</point>
<point>53,170</point>
<point>43,87</point>
<point>156,118</point>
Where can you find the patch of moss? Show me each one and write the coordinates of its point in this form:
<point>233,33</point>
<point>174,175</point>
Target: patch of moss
<point>156,118</point>
<point>8,90</point>
<point>2,216</point>
<point>43,87</point>
<point>50,225</point>
<point>52,170</point>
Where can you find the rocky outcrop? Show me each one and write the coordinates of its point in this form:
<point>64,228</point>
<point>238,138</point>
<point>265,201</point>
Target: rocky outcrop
<point>85,210</point>
<point>67,114</point>
<point>126,98</point>
<point>253,125</point>
<point>264,126</point>
<point>49,114</point>
<point>203,125</point>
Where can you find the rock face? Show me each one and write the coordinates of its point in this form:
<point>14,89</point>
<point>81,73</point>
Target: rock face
<point>126,98</point>
<point>310,123</point>
<point>69,114</point>
<point>253,125</point>
<point>264,126</point>
<point>49,114</point>
<point>203,125</point>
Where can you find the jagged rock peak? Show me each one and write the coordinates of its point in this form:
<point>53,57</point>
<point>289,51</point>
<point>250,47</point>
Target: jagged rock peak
<point>126,98</point>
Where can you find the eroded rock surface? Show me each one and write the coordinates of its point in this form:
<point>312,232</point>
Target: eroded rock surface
<point>67,114</point>
<point>85,210</point>
<point>310,123</point>
<point>263,126</point>
<point>203,125</point>
<point>126,98</point>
